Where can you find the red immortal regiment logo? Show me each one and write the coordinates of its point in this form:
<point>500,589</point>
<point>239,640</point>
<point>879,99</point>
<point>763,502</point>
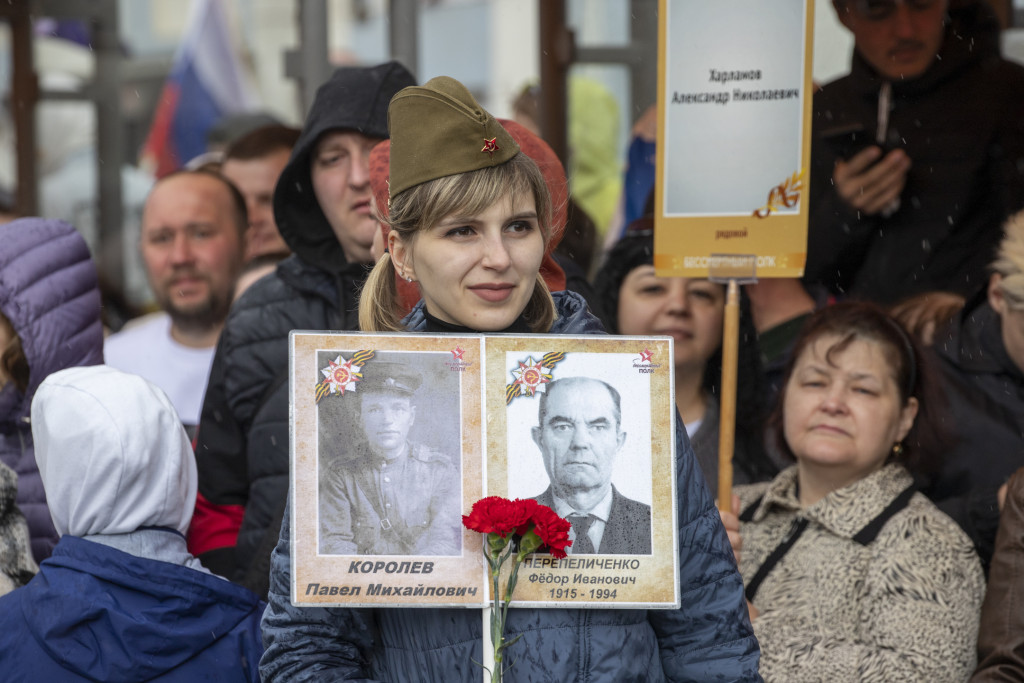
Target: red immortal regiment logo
<point>644,364</point>
<point>457,364</point>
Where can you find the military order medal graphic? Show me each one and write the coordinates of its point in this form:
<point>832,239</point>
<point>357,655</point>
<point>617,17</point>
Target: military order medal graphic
<point>342,375</point>
<point>531,376</point>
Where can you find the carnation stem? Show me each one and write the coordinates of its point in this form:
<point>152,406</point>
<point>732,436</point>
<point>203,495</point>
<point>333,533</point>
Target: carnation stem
<point>512,578</point>
<point>497,621</point>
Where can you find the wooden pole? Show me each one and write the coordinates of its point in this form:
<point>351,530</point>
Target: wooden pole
<point>727,415</point>
<point>24,98</point>
<point>556,56</point>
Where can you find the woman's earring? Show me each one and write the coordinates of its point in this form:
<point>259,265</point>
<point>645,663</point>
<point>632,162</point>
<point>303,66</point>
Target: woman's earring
<point>897,449</point>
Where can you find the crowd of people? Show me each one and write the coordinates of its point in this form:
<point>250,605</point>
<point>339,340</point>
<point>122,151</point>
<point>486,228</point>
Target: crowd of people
<point>875,531</point>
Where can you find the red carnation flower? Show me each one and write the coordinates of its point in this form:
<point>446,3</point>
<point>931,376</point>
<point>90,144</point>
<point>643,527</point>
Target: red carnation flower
<point>536,526</point>
<point>552,529</point>
<point>529,507</point>
<point>497,515</point>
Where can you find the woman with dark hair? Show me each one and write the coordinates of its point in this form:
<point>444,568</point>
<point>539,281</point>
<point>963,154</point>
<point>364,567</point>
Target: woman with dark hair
<point>851,574</point>
<point>636,301</point>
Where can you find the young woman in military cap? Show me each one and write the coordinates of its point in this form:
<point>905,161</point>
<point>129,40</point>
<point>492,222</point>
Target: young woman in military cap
<point>470,217</point>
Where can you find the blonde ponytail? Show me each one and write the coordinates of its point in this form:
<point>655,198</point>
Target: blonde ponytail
<point>379,308</point>
<point>540,311</point>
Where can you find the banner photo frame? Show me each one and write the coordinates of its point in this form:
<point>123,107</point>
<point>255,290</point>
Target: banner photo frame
<point>640,571</point>
<point>357,543</point>
<point>348,548</point>
<point>734,129</point>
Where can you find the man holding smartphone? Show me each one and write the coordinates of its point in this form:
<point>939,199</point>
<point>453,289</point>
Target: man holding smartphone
<point>918,152</point>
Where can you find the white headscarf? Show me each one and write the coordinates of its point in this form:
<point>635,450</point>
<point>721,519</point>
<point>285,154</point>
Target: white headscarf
<point>112,453</point>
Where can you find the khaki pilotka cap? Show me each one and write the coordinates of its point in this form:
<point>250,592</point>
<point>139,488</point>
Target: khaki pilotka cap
<point>438,130</point>
<point>388,377</point>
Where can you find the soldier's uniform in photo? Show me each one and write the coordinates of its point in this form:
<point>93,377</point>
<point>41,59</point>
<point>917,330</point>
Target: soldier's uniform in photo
<point>409,505</point>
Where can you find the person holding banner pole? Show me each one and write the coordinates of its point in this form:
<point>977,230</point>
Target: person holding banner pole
<point>636,301</point>
<point>470,220</point>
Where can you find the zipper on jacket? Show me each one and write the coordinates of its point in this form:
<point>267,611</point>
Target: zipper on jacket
<point>584,642</point>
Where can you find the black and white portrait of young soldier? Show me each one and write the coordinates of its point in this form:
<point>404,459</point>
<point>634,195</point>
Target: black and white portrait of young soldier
<point>387,485</point>
<point>580,436</point>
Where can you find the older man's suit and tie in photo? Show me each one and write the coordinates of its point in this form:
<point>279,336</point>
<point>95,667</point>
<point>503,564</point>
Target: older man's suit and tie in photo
<point>579,434</point>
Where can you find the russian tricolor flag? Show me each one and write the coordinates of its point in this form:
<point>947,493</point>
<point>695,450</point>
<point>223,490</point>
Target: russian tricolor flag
<point>206,83</point>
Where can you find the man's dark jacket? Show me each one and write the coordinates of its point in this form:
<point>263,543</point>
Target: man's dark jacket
<point>962,125</point>
<point>985,391</point>
<point>242,443</point>
<point>628,529</point>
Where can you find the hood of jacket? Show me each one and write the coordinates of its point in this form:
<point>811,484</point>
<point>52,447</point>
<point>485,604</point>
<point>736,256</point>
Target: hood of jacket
<point>972,35</point>
<point>110,616</point>
<point>571,316</point>
<point>355,99</point>
<point>112,453</point>
<point>49,293</point>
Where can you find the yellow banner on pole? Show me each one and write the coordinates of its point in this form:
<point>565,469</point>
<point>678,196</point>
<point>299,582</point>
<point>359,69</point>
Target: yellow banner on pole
<point>734,135</point>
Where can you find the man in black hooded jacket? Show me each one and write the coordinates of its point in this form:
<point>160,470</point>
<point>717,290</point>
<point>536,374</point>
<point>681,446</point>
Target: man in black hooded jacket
<point>323,210</point>
<point>918,152</point>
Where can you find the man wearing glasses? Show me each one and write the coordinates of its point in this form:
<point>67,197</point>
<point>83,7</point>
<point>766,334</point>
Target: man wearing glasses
<point>918,153</point>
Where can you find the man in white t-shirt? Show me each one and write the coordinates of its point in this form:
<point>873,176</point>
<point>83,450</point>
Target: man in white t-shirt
<point>192,244</point>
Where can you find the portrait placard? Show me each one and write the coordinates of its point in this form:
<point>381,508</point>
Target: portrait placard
<point>734,135</point>
<point>369,528</point>
<point>395,436</point>
<point>565,415</point>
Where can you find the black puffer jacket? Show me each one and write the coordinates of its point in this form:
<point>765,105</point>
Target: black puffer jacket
<point>985,391</point>
<point>242,443</point>
<point>962,125</point>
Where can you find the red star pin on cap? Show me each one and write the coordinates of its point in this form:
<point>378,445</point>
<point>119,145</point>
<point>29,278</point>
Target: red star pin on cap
<point>490,146</point>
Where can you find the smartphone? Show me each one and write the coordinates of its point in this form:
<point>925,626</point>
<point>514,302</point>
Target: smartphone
<point>847,140</point>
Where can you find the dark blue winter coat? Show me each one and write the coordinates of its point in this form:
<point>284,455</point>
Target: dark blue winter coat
<point>49,293</point>
<point>94,613</point>
<point>708,639</point>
